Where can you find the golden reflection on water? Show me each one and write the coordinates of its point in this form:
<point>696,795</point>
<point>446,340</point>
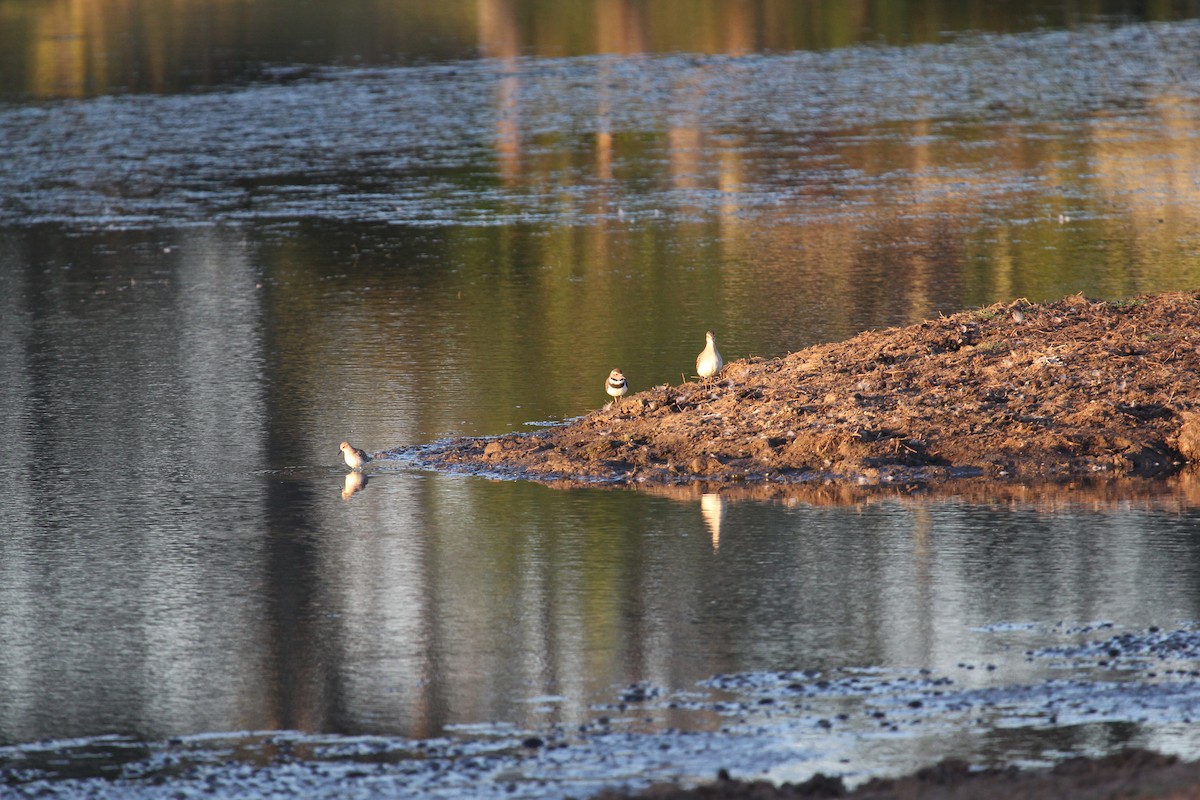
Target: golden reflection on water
<point>896,221</point>
<point>1176,493</point>
<point>922,239</point>
<point>77,48</point>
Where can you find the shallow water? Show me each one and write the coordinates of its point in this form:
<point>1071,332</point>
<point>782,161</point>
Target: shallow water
<point>209,281</point>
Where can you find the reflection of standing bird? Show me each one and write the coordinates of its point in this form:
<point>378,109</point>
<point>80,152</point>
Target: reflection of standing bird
<point>355,458</point>
<point>355,481</point>
<point>709,362</point>
<point>712,508</point>
<point>616,385</point>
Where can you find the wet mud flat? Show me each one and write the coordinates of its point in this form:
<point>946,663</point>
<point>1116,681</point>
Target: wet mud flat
<point>804,733</point>
<point>1014,392</point>
<point>1131,773</point>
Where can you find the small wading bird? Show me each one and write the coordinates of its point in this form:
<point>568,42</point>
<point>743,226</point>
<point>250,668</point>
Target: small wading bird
<point>709,362</point>
<point>616,385</point>
<point>355,458</point>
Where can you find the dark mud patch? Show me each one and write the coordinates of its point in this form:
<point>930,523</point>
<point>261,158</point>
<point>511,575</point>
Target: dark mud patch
<point>1066,391</point>
<point>1152,695</point>
<point>1131,773</point>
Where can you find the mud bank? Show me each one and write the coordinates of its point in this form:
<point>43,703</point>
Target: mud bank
<point>1132,773</point>
<point>1012,392</point>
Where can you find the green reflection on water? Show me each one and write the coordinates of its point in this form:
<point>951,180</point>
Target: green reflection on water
<point>420,333</point>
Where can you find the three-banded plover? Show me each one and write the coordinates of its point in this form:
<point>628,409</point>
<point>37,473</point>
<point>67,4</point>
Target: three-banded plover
<point>616,385</point>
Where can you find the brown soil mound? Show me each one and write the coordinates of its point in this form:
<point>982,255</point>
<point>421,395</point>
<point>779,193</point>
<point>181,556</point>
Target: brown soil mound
<point>1012,392</point>
<point>1134,773</point>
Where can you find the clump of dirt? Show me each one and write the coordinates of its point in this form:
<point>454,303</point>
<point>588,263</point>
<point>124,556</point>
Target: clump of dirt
<point>1010,392</point>
<point>1133,773</point>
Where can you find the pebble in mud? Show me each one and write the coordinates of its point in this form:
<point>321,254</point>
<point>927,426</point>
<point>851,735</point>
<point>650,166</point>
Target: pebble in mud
<point>1180,645</point>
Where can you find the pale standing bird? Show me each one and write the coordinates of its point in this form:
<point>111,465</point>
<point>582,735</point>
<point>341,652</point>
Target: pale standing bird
<point>355,458</point>
<point>616,385</point>
<point>709,362</point>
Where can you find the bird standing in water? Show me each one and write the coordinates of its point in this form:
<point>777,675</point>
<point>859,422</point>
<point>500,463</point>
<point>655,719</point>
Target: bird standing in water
<point>355,458</point>
<point>709,362</point>
<point>616,385</point>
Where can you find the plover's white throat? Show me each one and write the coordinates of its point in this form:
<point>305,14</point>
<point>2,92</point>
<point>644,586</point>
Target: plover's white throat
<point>616,385</point>
<point>709,362</point>
<point>355,458</point>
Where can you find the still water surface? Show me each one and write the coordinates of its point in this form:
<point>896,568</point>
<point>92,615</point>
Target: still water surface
<point>206,284</point>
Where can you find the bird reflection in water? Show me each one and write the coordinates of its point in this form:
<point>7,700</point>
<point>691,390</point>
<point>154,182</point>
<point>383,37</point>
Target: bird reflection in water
<point>712,508</point>
<point>355,482</point>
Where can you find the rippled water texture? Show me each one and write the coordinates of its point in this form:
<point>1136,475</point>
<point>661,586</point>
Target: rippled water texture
<point>213,272</point>
<point>785,138</point>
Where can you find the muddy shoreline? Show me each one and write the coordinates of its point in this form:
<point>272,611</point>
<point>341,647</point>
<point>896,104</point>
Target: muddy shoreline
<point>1066,391</point>
<point>1130,773</point>
<point>768,736</point>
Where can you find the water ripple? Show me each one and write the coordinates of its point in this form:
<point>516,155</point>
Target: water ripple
<point>494,142</point>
